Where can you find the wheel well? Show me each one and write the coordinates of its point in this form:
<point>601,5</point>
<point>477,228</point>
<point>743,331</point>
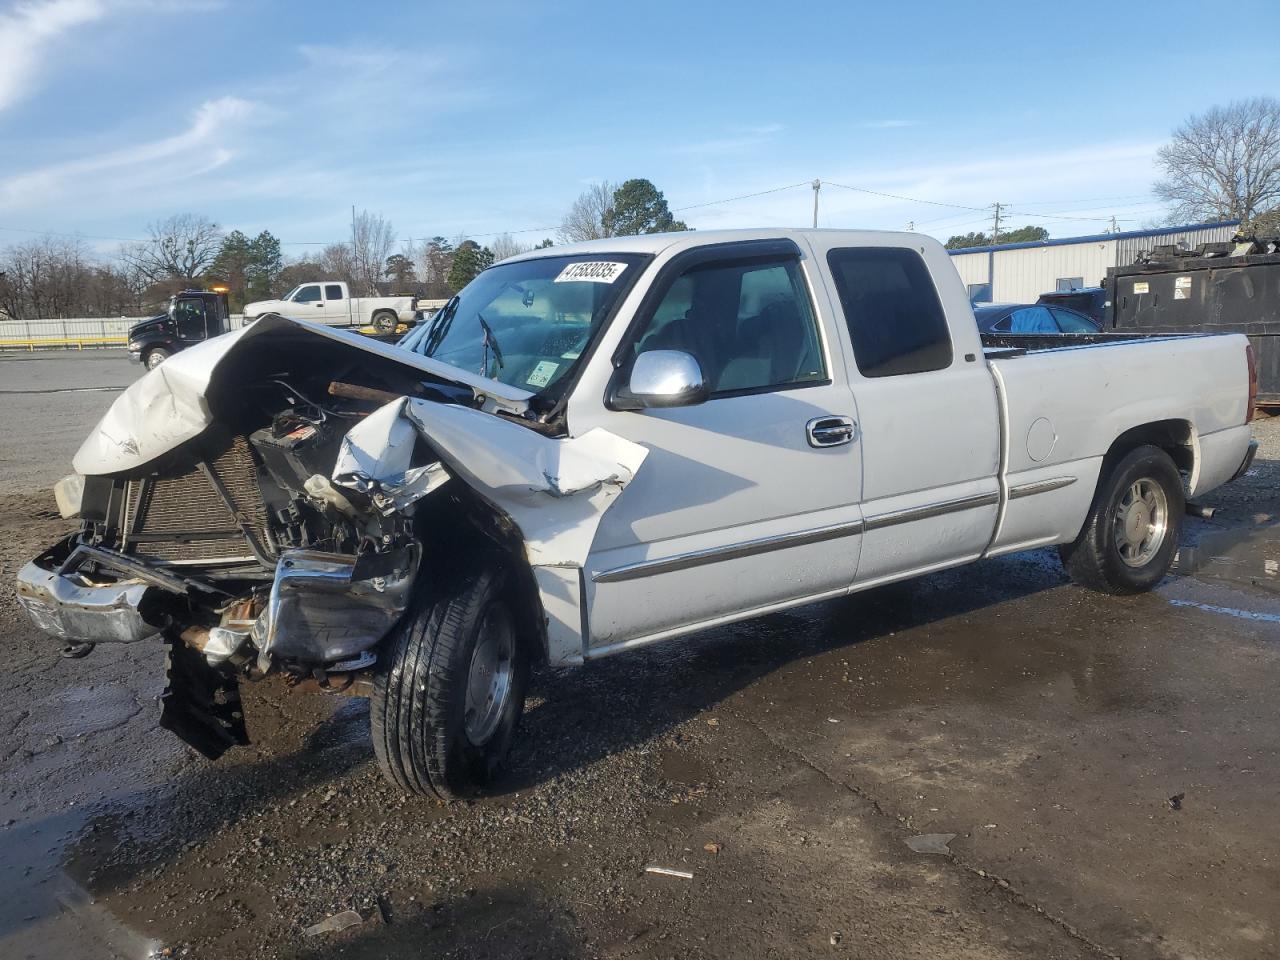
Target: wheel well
<point>449,528</point>
<point>1174,437</point>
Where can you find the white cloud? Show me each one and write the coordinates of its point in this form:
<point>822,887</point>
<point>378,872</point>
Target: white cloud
<point>30,30</point>
<point>202,147</point>
<point>26,34</point>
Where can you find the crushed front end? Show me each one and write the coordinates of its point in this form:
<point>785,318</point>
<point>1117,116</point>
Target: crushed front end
<point>242,554</point>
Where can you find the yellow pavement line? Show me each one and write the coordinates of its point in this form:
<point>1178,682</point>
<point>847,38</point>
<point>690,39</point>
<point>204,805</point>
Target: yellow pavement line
<point>78,342</point>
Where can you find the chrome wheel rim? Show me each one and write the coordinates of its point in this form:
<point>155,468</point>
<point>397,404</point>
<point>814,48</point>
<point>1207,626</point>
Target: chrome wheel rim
<point>1141,522</point>
<point>489,678</point>
<point>154,360</point>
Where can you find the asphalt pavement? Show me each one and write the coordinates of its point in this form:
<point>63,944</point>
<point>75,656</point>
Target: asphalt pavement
<point>985,763</point>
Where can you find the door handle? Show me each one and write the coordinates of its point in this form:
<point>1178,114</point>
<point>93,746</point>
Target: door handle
<point>830,431</point>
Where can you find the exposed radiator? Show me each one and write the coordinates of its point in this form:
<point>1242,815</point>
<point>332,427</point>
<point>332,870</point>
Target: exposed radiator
<point>181,519</point>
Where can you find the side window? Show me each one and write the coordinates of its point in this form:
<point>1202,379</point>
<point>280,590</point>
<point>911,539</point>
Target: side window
<point>1002,325</point>
<point>895,319</point>
<point>749,324</point>
<point>979,293</point>
<point>1067,284</point>
<point>333,291</point>
<point>308,294</point>
<point>1032,320</point>
<point>1071,322</point>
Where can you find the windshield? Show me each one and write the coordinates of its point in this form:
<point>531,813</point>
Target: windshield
<point>289,295</point>
<point>526,323</point>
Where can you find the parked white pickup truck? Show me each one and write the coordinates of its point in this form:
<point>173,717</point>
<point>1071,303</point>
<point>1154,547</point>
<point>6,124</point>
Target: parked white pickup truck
<point>596,447</point>
<point>330,302</point>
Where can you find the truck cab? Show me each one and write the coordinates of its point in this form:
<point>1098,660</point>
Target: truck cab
<point>193,316</point>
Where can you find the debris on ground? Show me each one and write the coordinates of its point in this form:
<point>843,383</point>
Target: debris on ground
<point>669,872</point>
<point>931,843</point>
<point>713,847</point>
<point>335,923</point>
<point>835,938</point>
<point>1175,802</point>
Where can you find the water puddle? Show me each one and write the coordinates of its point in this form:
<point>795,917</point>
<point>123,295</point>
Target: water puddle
<point>1246,557</point>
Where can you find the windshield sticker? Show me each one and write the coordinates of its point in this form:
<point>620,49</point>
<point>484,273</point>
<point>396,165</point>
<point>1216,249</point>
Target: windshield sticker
<point>592,271</point>
<point>543,373</point>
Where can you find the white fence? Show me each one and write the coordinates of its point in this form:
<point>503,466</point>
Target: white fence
<point>78,333</point>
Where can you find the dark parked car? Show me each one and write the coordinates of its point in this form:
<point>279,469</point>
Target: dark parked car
<point>1032,318</point>
<point>1093,302</point>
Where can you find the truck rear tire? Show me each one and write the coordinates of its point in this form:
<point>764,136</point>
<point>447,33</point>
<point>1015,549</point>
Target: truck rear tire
<point>385,322</point>
<point>1131,534</point>
<point>450,690</point>
<point>155,356</point>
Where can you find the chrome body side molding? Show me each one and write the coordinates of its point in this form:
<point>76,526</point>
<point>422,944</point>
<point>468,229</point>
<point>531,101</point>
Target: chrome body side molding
<point>697,558</point>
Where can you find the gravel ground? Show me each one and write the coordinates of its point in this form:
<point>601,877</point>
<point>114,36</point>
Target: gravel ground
<point>1108,767</point>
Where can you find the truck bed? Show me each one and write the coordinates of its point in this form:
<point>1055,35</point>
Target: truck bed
<point>1016,344</point>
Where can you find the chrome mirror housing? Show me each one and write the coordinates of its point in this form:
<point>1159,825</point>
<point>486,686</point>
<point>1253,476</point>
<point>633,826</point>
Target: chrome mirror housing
<point>661,378</point>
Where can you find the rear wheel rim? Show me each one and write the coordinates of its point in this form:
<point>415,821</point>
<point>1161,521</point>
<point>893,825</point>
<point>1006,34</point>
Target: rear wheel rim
<point>489,677</point>
<point>1141,522</point>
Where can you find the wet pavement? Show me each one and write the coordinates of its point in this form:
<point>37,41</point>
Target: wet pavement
<point>1108,767</point>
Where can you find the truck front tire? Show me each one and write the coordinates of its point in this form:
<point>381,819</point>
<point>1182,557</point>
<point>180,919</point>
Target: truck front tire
<point>1131,534</point>
<point>154,357</point>
<point>450,690</point>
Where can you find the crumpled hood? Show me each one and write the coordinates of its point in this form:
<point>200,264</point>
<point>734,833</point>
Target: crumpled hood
<point>168,406</point>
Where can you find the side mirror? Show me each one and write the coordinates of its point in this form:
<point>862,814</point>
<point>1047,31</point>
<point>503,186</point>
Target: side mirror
<point>660,378</point>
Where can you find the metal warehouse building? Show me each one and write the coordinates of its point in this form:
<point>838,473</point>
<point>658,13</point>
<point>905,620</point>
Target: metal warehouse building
<point>1020,272</point>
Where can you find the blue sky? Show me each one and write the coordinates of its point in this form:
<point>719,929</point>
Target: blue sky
<point>474,118</point>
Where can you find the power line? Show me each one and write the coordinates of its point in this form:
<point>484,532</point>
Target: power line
<point>745,196</point>
<point>898,196</point>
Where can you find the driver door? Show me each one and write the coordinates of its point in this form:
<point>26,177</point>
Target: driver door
<point>749,500</point>
<point>190,321</point>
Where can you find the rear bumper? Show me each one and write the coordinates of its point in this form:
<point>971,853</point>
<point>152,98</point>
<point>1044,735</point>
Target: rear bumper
<point>1247,462</point>
<point>75,610</point>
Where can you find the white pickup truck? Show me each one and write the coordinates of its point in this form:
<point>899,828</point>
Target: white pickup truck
<point>597,447</point>
<point>330,302</point>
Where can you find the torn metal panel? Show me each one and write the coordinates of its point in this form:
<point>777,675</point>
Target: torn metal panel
<point>555,490</point>
<point>378,453</point>
<point>168,406</point>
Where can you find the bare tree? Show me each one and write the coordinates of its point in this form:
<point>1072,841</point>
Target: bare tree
<point>372,237</point>
<point>57,278</point>
<point>504,245</point>
<point>1224,163</point>
<point>338,262</point>
<point>586,218</point>
<point>181,247</point>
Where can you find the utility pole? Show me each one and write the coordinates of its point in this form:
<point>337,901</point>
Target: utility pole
<point>995,227</point>
<point>1114,228</point>
<point>817,185</point>
<point>911,226</point>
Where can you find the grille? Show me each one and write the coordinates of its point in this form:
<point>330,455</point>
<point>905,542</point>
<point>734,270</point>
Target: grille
<point>181,518</point>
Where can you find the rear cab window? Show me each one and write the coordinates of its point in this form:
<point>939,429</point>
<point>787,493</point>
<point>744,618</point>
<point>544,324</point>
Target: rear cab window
<point>333,291</point>
<point>896,322</point>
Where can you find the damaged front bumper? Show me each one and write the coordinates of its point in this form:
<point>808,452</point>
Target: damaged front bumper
<point>322,607</point>
<point>72,607</point>
<point>327,607</point>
